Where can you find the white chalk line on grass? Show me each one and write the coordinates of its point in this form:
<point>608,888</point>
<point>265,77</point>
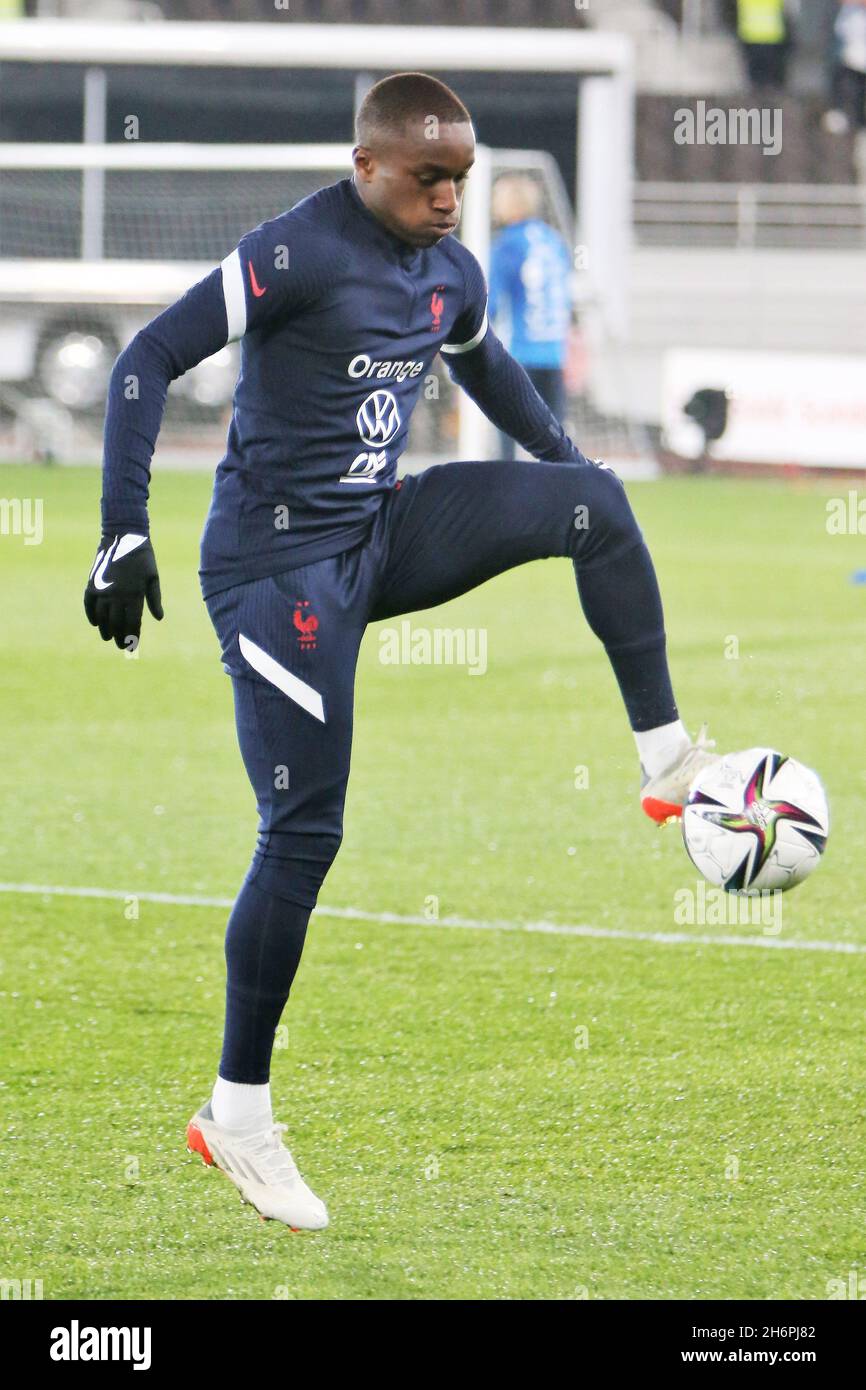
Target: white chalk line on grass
<point>357,914</point>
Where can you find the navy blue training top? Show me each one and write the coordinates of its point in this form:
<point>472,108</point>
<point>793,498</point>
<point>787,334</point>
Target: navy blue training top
<point>339,321</point>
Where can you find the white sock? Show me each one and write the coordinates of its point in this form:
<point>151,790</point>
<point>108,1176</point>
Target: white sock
<point>237,1106</point>
<point>658,748</point>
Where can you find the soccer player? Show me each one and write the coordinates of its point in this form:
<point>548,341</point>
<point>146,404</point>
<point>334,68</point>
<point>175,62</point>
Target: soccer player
<point>341,305</point>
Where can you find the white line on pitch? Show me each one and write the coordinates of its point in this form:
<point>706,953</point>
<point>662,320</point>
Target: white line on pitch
<point>357,914</point>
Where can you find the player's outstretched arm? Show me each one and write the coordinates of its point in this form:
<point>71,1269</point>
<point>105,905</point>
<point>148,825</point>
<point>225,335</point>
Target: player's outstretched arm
<point>124,574</point>
<point>481,365</point>
<point>277,268</point>
<point>502,389</point>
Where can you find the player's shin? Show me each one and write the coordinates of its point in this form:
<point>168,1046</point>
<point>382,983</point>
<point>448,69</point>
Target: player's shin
<point>235,1130</point>
<point>264,941</point>
<point>620,597</point>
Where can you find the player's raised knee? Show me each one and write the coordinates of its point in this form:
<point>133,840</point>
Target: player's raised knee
<point>603,523</point>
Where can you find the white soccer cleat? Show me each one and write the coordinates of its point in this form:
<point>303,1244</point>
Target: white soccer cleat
<point>663,796</point>
<point>261,1168</point>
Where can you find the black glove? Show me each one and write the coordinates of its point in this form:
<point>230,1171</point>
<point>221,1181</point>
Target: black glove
<point>124,574</point>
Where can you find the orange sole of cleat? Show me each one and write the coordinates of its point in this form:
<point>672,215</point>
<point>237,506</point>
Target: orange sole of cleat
<point>661,811</point>
<point>196,1145</point>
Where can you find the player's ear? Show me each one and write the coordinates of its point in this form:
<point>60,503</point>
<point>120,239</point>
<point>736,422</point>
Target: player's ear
<point>362,159</point>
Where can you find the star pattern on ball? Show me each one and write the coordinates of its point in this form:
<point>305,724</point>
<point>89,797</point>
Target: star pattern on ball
<point>760,817</point>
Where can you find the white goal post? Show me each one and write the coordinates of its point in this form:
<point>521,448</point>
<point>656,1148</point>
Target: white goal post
<point>604,94</point>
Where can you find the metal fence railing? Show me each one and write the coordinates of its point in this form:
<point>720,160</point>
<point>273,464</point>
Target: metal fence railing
<point>754,215</point>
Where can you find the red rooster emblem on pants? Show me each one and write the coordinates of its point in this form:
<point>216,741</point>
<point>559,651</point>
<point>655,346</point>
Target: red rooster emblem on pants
<point>306,626</point>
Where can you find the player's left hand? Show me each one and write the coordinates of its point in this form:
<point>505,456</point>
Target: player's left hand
<point>123,576</point>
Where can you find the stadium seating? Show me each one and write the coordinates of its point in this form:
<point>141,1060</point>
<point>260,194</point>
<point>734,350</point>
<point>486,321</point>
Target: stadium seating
<point>552,13</point>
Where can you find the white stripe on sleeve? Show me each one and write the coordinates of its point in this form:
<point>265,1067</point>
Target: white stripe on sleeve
<point>233,292</point>
<point>473,342</point>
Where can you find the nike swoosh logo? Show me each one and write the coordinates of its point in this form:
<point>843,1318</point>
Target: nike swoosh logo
<point>254,282</point>
<point>99,571</point>
<point>119,547</point>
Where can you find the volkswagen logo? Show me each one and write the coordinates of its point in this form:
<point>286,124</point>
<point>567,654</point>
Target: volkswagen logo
<point>378,418</point>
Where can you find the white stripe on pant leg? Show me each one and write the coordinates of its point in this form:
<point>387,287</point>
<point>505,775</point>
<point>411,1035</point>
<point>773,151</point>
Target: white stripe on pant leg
<point>235,296</point>
<point>296,689</point>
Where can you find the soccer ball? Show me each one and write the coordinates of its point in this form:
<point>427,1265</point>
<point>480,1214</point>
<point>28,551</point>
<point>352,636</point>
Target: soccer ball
<point>756,821</point>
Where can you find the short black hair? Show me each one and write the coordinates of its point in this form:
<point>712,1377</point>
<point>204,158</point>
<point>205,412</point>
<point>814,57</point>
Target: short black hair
<point>395,101</point>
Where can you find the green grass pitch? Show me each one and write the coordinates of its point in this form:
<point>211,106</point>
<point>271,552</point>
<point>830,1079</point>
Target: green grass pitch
<point>707,1141</point>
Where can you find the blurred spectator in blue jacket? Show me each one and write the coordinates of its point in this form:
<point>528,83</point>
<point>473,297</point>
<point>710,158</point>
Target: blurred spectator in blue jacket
<point>530,290</point>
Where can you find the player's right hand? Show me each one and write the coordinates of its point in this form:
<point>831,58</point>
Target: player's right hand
<point>124,574</point>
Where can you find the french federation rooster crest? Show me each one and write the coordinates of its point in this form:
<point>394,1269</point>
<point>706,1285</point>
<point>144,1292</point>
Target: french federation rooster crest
<point>307,626</point>
<point>437,305</point>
